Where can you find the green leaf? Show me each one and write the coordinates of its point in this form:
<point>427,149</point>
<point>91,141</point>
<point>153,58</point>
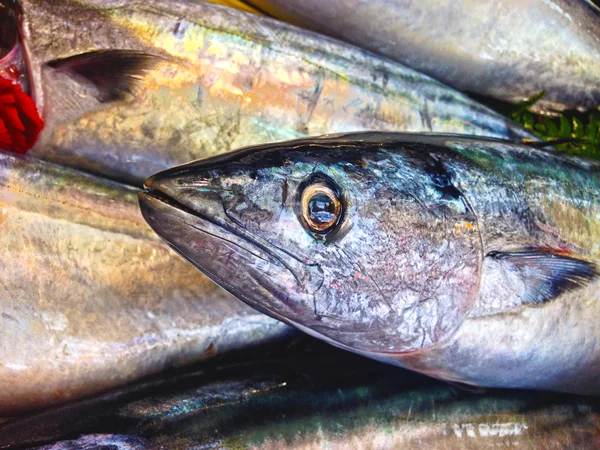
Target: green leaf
<point>551,128</point>
<point>527,120</point>
<point>528,103</point>
<point>592,129</point>
<point>578,128</point>
<point>583,126</point>
<point>565,128</point>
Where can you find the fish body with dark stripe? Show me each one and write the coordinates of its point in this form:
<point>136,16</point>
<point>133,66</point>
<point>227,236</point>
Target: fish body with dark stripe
<point>510,50</point>
<point>471,260</point>
<point>130,87</point>
<point>92,298</point>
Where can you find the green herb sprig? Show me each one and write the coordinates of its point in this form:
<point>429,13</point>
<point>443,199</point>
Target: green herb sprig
<point>582,127</point>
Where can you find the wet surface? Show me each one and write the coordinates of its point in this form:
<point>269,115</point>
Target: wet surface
<point>308,395</point>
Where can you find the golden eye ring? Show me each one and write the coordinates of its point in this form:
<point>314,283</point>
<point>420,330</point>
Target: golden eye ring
<point>321,207</point>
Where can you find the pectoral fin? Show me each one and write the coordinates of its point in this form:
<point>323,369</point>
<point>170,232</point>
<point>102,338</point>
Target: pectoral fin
<point>113,72</point>
<point>539,275</point>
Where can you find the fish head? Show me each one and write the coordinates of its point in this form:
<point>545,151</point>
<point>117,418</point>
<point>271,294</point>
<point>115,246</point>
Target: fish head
<point>371,249</point>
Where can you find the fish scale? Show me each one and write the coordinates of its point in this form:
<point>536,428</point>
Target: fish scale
<point>510,50</point>
<point>128,88</point>
<point>295,398</point>
<point>91,298</point>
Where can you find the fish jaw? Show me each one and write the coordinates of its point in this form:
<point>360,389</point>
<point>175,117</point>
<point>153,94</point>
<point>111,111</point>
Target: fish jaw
<point>215,252</point>
<point>220,253</point>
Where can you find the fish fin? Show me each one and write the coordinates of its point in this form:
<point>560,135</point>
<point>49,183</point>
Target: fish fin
<point>465,387</point>
<point>113,72</point>
<point>546,273</point>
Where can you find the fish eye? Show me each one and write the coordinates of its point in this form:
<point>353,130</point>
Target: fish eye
<point>321,205</point>
<point>8,27</point>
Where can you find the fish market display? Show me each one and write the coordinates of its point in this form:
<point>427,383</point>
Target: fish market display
<point>470,260</point>
<point>510,50</point>
<point>128,88</point>
<point>298,400</point>
<point>91,297</point>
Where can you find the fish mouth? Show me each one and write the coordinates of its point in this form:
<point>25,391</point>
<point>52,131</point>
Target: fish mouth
<point>255,271</point>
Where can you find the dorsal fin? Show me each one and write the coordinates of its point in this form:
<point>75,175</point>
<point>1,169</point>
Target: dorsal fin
<point>113,72</point>
<point>545,274</point>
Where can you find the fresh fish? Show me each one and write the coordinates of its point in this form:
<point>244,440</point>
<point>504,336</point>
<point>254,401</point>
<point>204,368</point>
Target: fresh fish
<point>91,298</point>
<point>510,50</point>
<point>470,260</point>
<point>131,87</point>
<point>307,401</point>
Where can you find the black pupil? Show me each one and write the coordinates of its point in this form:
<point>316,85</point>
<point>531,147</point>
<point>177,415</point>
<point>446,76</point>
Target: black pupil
<point>322,209</point>
<point>8,27</point>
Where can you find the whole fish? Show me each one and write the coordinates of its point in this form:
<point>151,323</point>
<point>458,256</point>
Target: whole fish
<point>91,298</point>
<point>510,50</point>
<point>316,400</point>
<point>131,87</point>
<point>470,260</point>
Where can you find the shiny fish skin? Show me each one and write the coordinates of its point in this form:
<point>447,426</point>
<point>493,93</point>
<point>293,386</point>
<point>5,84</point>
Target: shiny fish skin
<point>218,79</point>
<point>314,400</point>
<point>238,4</point>
<point>474,261</point>
<point>91,298</point>
<point>510,50</point>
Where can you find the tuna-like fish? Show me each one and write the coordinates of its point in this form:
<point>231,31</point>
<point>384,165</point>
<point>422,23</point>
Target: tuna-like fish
<point>510,50</point>
<point>131,87</point>
<point>91,297</point>
<point>473,261</point>
<point>317,400</point>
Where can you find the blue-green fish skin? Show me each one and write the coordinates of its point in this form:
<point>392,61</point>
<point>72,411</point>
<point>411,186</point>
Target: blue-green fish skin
<point>510,50</point>
<point>470,260</point>
<point>313,399</point>
<point>131,87</point>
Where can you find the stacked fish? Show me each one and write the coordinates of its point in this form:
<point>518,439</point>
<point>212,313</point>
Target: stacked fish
<point>471,256</point>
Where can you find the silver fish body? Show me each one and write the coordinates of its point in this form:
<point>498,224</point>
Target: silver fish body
<point>128,88</point>
<point>91,298</point>
<point>509,50</point>
<point>470,260</point>
<point>310,400</point>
